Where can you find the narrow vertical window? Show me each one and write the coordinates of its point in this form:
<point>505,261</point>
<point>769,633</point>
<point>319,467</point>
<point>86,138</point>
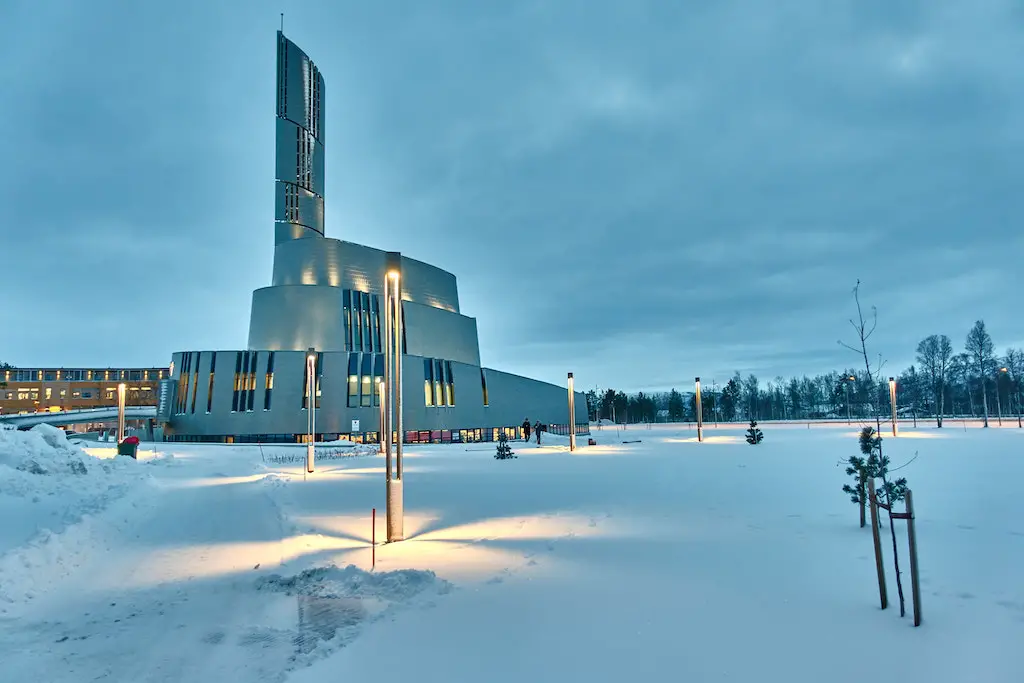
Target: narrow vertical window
<point>428,381</point>
<point>195,382</point>
<point>305,383</point>
<point>319,370</point>
<point>269,386</point>
<point>364,300</point>
<point>346,298</point>
<point>209,388</point>
<point>366,381</point>
<point>438,383</point>
<point>252,380</point>
<point>238,381</point>
<point>378,378</point>
<point>357,316</point>
<point>450,386</point>
<point>483,384</point>
<point>376,322</point>
<point>353,380</point>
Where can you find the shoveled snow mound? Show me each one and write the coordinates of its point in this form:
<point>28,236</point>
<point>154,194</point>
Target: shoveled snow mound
<point>336,604</point>
<point>41,461</point>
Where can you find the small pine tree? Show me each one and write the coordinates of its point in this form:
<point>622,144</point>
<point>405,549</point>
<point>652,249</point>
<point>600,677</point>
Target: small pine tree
<point>858,493</point>
<point>504,450</point>
<point>754,435</point>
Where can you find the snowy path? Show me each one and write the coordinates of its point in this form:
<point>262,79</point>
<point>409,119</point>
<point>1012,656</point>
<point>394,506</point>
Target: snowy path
<point>168,597</point>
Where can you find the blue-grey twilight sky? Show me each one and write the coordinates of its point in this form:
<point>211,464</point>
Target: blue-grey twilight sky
<point>637,191</point>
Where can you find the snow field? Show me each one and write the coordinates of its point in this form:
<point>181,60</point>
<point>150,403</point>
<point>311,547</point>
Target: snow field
<point>712,561</point>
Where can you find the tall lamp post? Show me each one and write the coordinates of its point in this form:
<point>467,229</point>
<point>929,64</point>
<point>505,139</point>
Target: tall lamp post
<point>121,389</point>
<point>700,414</point>
<point>846,385</point>
<point>999,406</point>
<point>892,403</point>
<point>311,407</point>
<point>393,396</point>
<point>572,414</point>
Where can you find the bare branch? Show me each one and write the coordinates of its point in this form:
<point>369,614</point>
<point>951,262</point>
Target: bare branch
<point>842,343</point>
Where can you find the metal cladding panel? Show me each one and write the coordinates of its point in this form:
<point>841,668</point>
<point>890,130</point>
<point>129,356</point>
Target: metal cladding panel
<point>511,399</point>
<point>437,333</point>
<point>337,263</point>
<point>302,207</point>
<point>297,317</point>
<point>300,87</point>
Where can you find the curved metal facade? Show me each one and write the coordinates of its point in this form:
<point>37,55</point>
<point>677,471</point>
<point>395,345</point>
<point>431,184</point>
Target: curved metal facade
<point>299,190</point>
<point>327,294</point>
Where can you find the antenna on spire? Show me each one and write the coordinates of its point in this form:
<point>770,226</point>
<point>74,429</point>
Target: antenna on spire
<point>282,22</point>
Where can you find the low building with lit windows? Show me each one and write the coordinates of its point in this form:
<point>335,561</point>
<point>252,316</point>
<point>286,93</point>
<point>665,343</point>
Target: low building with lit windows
<point>327,295</point>
<point>33,390</point>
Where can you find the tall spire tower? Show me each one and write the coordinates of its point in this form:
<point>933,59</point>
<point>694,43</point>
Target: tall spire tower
<point>299,189</point>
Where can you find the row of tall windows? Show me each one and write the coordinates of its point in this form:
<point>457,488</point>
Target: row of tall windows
<point>27,375</point>
<point>362,321</point>
<point>282,76</point>
<point>181,399</point>
<point>365,379</point>
<point>438,382</point>
<point>244,394</point>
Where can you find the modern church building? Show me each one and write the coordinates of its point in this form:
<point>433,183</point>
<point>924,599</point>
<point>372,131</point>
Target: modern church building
<point>328,295</point>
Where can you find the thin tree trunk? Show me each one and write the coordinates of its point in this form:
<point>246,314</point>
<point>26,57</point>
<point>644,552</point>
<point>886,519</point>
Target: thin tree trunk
<point>895,551</point>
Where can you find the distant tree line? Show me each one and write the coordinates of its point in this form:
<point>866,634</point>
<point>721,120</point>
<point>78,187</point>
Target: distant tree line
<point>975,382</point>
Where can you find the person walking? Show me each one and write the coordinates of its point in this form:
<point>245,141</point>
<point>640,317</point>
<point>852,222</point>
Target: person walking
<point>526,430</point>
<point>537,429</point>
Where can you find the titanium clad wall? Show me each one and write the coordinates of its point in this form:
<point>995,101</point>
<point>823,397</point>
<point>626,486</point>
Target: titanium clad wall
<point>299,144</point>
<point>436,333</point>
<point>511,398</point>
<point>345,264</point>
<point>294,318</point>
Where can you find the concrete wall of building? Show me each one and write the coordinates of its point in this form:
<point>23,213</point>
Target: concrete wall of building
<point>196,412</point>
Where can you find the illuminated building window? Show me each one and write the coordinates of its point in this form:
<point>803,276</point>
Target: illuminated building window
<point>449,383</point>
<point>378,377</point>
<point>238,381</point>
<point>438,383</point>
<point>269,382</point>
<point>76,394</point>
<point>195,380</point>
<point>64,393</point>
<point>353,380</point>
<point>483,384</point>
<point>209,388</point>
<point>252,380</point>
<point>428,382</point>
<point>49,393</point>
<point>366,374</point>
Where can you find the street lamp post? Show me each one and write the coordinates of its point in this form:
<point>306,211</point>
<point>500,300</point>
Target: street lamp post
<point>393,396</point>
<point>846,386</point>
<point>121,389</point>
<point>892,403</point>
<point>311,408</point>
<point>999,406</point>
<point>700,415</point>
<point>572,414</point>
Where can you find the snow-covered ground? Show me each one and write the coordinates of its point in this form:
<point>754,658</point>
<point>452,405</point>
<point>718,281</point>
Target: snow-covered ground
<point>662,559</point>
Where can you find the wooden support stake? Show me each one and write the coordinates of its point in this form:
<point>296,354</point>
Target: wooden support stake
<point>877,538</point>
<point>915,578</point>
<point>373,538</point>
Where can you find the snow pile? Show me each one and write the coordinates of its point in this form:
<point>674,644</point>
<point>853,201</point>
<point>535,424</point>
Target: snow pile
<point>41,461</point>
<point>46,486</point>
<point>336,604</point>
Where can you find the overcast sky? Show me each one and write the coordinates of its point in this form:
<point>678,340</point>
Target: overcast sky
<point>640,192</point>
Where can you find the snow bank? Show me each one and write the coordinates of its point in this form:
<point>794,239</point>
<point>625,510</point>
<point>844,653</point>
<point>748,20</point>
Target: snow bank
<point>47,486</point>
